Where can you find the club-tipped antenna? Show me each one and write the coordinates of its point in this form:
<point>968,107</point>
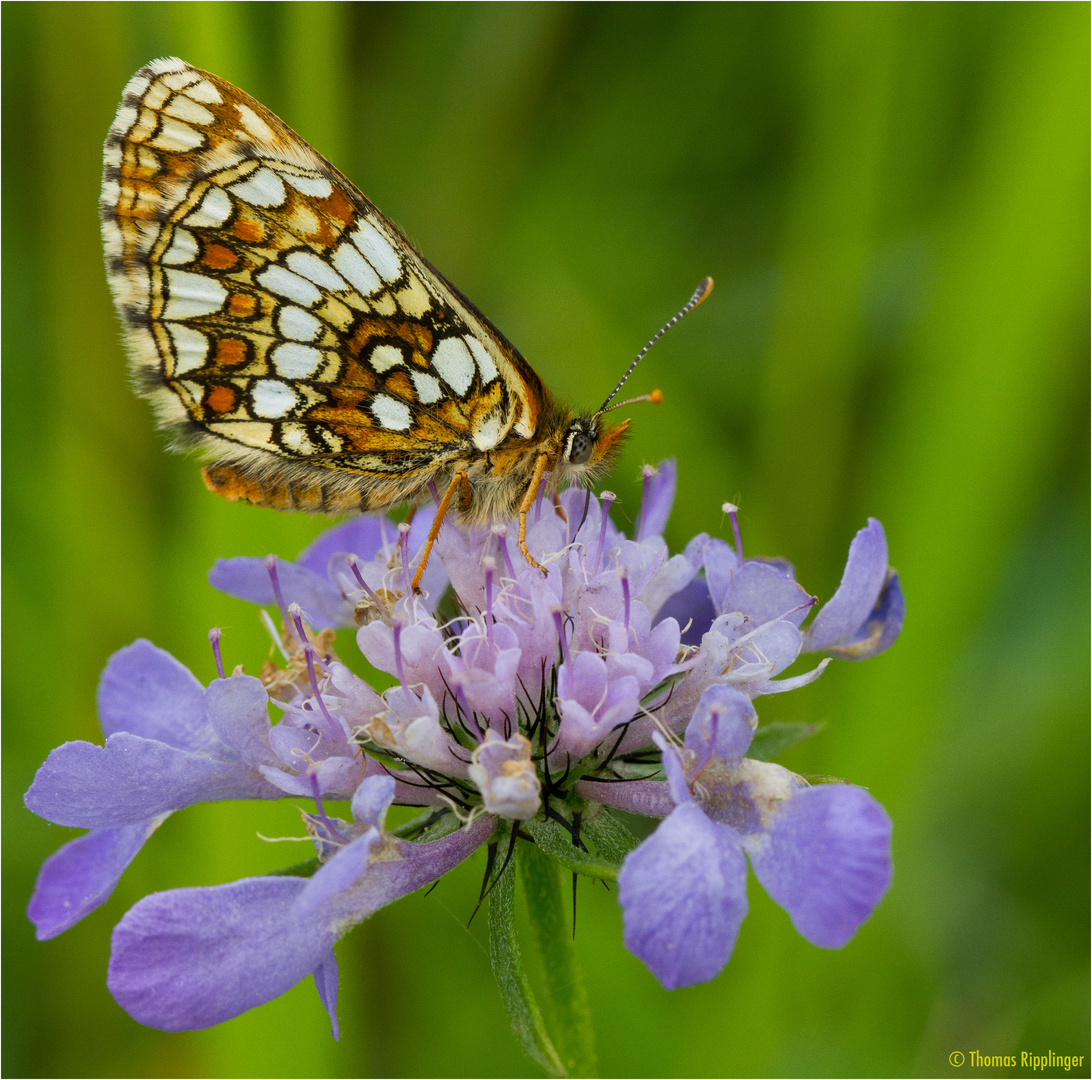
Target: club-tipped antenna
<point>700,293</point>
<point>654,396</point>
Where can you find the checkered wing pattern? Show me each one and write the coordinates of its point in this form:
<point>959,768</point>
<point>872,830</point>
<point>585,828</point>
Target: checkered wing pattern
<point>277,319</point>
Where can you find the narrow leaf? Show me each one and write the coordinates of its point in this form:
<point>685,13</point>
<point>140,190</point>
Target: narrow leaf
<point>566,995</point>
<point>519,1001</point>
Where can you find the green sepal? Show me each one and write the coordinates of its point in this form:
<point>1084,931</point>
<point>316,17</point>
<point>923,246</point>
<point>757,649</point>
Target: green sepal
<point>515,988</point>
<point>610,837</point>
<point>771,739</point>
<point>566,998</point>
<point>557,842</point>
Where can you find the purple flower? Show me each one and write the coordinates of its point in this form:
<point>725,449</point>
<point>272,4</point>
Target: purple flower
<point>622,677</point>
<point>823,853</point>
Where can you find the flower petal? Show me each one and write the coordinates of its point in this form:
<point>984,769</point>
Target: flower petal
<point>325,976</point>
<point>146,691</point>
<point>882,627</point>
<point>191,958</point>
<point>362,536</point>
<point>248,579</point>
<point>131,780</point>
<point>722,725</point>
<point>684,894</point>
<point>82,875</point>
<point>657,500</point>
<point>839,619</point>
<point>826,860</point>
<point>237,709</point>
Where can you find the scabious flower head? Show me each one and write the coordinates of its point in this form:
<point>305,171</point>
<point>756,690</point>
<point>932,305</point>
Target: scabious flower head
<point>622,678</point>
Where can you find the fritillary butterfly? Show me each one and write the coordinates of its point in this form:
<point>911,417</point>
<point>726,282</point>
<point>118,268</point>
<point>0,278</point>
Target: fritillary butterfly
<point>280,323</point>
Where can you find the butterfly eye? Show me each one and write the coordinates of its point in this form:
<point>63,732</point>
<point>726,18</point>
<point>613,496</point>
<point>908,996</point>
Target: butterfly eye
<point>580,446</point>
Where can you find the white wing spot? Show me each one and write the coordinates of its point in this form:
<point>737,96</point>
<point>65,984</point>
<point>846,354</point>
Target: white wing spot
<point>212,211</point>
<point>261,188</point>
<point>310,266</point>
<point>378,251</point>
<point>179,79</point>
<point>183,248</point>
<point>190,295</point>
<point>428,389</point>
<point>186,109</point>
<point>487,434</point>
<point>191,349</point>
<point>204,91</point>
<point>253,123</point>
<point>176,137</point>
<point>272,398</point>
<point>485,362</point>
<point>296,361</point>
<point>292,287</point>
<point>357,272</point>
<point>391,414</point>
<point>384,357</point>
<point>297,324</point>
<point>454,364</point>
<point>317,187</point>
<point>294,437</point>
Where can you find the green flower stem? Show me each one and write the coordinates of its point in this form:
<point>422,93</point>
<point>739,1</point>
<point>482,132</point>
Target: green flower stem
<point>542,881</point>
<point>515,987</point>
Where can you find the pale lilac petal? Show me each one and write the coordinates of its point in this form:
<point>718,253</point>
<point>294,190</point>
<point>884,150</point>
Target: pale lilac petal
<point>684,894</point>
<point>131,780</point>
<point>657,499</point>
<point>325,976</point>
<point>503,772</point>
<point>781,686</point>
<point>362,536</point>
<point>649,798</point>
<point>146,691</point>
<point>191,958</point>
<point>839,619</point>
<point>677,781</point>
<point>882,627</point>
<point>237,709</point>
<point>721,563</point>
<point>372,800</point>
<point>826,860</point>
<point>248,579</point>
<point>722,725</point>
<point>762,593</point>
<point>82,875</point>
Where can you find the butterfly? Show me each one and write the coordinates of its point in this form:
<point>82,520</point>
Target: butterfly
<point>278,322</point>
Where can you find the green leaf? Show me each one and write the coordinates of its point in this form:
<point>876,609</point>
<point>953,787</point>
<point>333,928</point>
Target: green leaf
<point>515,988</point>
<point>557,842</point>
<point>771,739</point>
<point>566,996</point>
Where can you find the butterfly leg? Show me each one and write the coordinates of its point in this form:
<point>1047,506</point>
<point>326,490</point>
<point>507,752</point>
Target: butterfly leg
<point>525,507</point>
<point>460,479</point>
<point>558,507</point>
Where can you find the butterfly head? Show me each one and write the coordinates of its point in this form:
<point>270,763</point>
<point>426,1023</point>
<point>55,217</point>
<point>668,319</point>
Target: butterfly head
<point>590,445</point>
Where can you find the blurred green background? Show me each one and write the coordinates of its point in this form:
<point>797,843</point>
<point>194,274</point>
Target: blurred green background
<point>893,200</point>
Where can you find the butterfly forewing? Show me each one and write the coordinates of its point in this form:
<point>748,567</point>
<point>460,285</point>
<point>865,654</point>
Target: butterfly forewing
<point>276,317</point>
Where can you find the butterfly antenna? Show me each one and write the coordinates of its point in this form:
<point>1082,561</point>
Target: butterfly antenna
<point>700,293</point>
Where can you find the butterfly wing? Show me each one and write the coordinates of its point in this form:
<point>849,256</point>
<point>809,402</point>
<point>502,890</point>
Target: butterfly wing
<point>277,319</point>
